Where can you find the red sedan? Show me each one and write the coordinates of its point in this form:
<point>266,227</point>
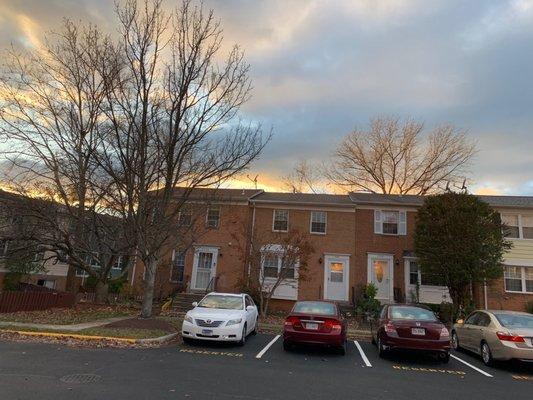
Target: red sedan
<point>411,327</point>
<point>315,322</point>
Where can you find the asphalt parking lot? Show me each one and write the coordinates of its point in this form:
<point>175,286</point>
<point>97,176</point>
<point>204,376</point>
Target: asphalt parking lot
<point>259,370</point>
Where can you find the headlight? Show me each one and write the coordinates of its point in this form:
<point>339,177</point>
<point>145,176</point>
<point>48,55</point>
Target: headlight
<point>189,319</point>
<point>234,322</point>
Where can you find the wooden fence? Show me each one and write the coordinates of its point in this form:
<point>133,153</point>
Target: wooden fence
<point>31,301</point>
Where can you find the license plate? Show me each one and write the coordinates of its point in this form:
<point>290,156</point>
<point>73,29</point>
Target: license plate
<point>207,332</point>
<point>418,331</point>
<point>312,327</point>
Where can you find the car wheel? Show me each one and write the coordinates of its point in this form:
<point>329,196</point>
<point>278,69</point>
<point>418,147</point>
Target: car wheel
<point>381,350</point>
<point>287,346</point>
<point>254,332</point>
<point>486,355</point>
<point>342,349</point>
<point>455,341</point>
<point>243,337</point>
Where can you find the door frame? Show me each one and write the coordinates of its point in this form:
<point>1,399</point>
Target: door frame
<point>345,258</point>
<point>390,259</point>
<point>204,249</point>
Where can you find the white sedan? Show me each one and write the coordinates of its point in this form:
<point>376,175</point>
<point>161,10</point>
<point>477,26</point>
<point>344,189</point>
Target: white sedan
<point>221,317</point>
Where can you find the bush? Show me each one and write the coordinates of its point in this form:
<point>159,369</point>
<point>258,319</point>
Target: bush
<point>529,307</point>
<point>12,280</point>
<point>367,304</point>
<point>444,312</point>
<point>115,287</point>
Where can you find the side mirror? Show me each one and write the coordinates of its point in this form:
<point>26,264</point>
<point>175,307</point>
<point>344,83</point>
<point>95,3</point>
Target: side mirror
<point>250,308</point>
<point>194,303</point>
<point>460,321</point>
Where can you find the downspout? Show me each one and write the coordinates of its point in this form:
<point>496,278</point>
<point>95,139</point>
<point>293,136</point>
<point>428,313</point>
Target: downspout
<point>485,293</point>
<point>252,236</point>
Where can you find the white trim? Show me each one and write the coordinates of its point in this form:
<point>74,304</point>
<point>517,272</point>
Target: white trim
<point>522,280</point>
<point>274,220</point>
<point>311,223</point>
<point>390,259</point>
<point>203,249</point>
<point>515,262</point>
<point>345,259</point>
<point>319,207</point>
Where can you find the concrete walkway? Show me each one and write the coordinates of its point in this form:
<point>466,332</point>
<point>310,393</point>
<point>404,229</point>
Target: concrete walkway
<point>70,327</point>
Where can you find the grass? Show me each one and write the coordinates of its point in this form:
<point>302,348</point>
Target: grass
<point>68,316</point>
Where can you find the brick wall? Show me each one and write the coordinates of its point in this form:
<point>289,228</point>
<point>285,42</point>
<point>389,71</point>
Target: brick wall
<point>499,299</point>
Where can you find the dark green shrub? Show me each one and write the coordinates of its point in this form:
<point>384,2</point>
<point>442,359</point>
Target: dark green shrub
<point>367,304</point>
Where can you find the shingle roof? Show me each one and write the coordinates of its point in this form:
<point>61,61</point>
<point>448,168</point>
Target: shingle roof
<point>414,200</point>
<point>218,194</point>
<point>304,198</point>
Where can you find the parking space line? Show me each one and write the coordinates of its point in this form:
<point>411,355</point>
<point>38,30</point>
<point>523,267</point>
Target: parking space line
<point>363,355</point>
<point>265,349</point>
<point>471,366</point>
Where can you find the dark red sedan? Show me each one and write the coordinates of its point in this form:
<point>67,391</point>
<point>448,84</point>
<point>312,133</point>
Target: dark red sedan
<point>411,327</point>
<point>315,322</point>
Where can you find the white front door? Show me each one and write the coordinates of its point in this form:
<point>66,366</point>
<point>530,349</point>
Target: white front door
<point>204,267</point>
<point>336,276</point>
<point>380,274</point>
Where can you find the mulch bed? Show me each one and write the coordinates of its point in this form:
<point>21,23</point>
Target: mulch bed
<point>142,323</point>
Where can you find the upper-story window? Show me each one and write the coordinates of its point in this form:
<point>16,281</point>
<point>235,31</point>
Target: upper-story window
<point>213,217</point>
<point>518,226</point>
<point>281,221</point>
<point>390,222</point>
<point>185,216</point>
<point>318,222</point>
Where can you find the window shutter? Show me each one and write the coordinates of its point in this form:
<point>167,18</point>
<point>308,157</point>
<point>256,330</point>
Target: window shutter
<point>378,224</point>
<point>402,225</point>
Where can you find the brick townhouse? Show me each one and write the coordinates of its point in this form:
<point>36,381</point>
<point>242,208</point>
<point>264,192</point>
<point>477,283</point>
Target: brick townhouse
<point>357,239</point>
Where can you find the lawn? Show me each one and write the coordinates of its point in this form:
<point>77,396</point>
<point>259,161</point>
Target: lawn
<point>67,316</point>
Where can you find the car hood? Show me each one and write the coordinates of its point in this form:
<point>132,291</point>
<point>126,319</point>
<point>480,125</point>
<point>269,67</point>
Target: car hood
<point>214,313</point>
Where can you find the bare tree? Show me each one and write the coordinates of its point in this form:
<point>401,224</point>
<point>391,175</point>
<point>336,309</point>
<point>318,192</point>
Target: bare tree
<point>304,178</point>
<point>274,261</point>
<point>393,157</point>
<point>173,122</point>
<point>51,116</point>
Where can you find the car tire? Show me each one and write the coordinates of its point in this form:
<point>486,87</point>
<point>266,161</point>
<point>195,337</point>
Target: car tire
<point>287,346</point>
<point>445,359</point>
<point>243,337</point>
<point>341,350</point>
<point>486,354</point>
<point>455,341</point>
<point>254,332</point>
<point>382,353</point>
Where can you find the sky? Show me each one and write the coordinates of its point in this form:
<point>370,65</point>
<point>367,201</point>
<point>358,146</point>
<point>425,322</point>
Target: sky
<point>322,68</point>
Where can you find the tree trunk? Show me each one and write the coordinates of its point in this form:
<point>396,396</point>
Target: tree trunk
<point>149,283</point>
<point>101,292</point>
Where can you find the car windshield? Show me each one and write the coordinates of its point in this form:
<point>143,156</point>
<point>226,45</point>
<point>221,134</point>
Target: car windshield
<point>416,313</point>
<point>223,302</point>
<point>315,307</point>
<point>516,321</point>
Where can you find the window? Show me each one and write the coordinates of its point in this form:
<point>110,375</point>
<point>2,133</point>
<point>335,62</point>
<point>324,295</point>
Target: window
<point>518,226</point>
<point>511,229</point>
<point>483,320</point>
<point>4,244</point>
<point>281,221</point>
<point>248,301</point>
<point>518,279</point>
<point>472,319</point>
<point>46,284</point>
<point>118,263</point>
<point>178,266</point>
<point>318,221</point>
<point>80,273</point>
<point>273,266</point>
<point>414,273</point>
<point>390,222</point>
<point>185,217</point>
<point>213,217</point>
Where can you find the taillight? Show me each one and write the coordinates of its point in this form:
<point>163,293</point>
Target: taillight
<point>509,337</point>
<point>444,332</point>
<point>332,325</point>
<point>293,321</point>
<point>390,328</point>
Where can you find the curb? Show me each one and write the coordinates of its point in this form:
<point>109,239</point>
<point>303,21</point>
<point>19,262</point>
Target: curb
<point>160,339</point>
<point>70,335</point>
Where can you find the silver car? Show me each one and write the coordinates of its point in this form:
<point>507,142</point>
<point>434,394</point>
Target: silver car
<point>496,335</point>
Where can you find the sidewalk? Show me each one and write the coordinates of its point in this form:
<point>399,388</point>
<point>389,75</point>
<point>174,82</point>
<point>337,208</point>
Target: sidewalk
<point>69,327</point>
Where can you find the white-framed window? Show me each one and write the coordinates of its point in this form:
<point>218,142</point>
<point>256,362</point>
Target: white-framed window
<point>80,273</point>
<point>272,266</point>
<point>318,222</point>
<point>280,221</point>
<point>390,222</point>
<point>414,273</point>
<point>4,247</point>
<point>213,217</point>
<point>185,216</point>
<point>518,279</point>
<point>518,226</point>
<point>118,264</point>
<point>178,266</point>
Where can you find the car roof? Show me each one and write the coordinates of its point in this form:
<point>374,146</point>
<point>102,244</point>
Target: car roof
<point>410,305</point>
<point>505,312</point>
<point>227,294</point>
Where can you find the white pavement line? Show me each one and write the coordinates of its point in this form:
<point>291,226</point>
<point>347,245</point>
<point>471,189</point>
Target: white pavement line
<point>471,366</point>
<point>363,355</point>
<point>265,349</point>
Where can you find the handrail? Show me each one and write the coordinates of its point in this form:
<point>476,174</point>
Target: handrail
<point>213,282</point>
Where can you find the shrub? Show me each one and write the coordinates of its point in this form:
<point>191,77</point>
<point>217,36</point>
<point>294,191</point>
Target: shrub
<point>116,286</point>
<point>12,280</point>
<point>367,304</point>
<point>529,307</point>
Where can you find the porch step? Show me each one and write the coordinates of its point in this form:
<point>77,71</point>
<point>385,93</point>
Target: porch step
<point>183,301</point>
